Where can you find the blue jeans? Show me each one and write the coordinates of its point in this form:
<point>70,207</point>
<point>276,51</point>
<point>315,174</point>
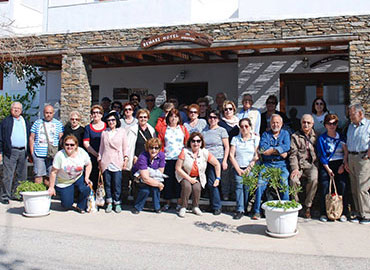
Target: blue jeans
<point>112,183</point>
<point>214,193</point>
<point>262,185</point>
<point>144,192</point>
<point>67,194</point>
<point>241,193</point>
<point>172,188</point>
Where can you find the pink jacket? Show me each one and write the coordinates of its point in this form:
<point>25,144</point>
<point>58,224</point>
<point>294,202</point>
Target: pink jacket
<point>112,150</point>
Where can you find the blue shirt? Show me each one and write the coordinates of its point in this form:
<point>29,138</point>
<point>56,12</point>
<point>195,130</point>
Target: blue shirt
<point>53,127</point>
<point>245,150</point>
<point>358,137</point>
<point>18,137</point>
<point>281,144</point>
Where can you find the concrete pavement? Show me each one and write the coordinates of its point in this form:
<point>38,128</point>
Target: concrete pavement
<point>336,242</point>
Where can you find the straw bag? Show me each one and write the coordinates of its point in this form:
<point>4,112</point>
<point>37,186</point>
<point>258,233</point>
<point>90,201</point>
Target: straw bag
<point>333,202</point>
<point>91,203</point>
<point>100,191</point>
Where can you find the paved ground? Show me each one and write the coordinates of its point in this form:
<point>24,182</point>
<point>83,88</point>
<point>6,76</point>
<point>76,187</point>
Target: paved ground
<point>68,240</point>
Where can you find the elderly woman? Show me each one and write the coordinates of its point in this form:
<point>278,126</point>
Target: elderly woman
<point>73,127</point>
<point>128,116</point>
<point>173,137</point>
<point>91,140</point>
<point>333,153</point>
<point>150,165</point>
<point>319,111</point>
<point>216,142</point>
<point>112,160</point>
<point>271,103</point>
<point>190,171</point>
<point>243,155</point>
<point>194,124</point>
<point>67,174</point>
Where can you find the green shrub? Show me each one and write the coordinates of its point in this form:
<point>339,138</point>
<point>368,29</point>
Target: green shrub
<point>29,186</point>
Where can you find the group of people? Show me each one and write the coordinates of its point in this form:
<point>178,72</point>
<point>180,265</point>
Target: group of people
<point>178,151</point>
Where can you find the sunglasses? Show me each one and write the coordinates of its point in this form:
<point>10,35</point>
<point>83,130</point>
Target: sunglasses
<point>228,109</point>
<point>97,112</point>
<point>143,117</point>
<point>74,119</point>
<point>154,147</point>
<point>332,123</point>
<point>69,144</point>
<point>244,126</point>
<point>196,141</point>
<point>319,103</point>
<point>111,120</point>
<point>128,109</point>
<point>193,111</point>
<point>270,102</point>
<point>149,100</point>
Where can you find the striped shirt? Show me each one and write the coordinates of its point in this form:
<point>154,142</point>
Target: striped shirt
<point>358,136</point>
<point>54,128</point>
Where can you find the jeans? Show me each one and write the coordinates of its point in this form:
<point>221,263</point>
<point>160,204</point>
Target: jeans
<point>144,192</point>
<point>16,163</point>
<point>340,182</point>
<point>94,175</point>
<point>112,183</point>
<point>262,185</point>
<point>67,194</point>
<point>241,193</point>
<point>214,193</point>
<point>172,188</point>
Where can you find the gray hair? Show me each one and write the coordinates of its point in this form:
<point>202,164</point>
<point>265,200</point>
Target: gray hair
<point>16,103</point>
<point>357,107</point>
<point>74,113</point>
<point>278,116</point>
<point>309,116</point>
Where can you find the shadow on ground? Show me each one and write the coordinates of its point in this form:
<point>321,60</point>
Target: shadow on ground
<point>252,229</point>
<point>216,226</point>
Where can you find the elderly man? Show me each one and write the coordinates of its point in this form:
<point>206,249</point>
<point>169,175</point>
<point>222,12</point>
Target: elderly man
<point>42,131</point>
<point>248,112</point>
<point>303,161</point>
<point>274,148</point>
<point>358,143</point>
<point>14,134</point>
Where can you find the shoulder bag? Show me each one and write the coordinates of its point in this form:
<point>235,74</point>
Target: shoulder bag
<point>100,191</point>
<point>333,202</point>
<point>52,150</point>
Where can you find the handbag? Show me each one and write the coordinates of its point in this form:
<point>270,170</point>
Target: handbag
<point>52,150</point>
<point>100,191</point>
<point>333,202</point>
<point>91,203</point>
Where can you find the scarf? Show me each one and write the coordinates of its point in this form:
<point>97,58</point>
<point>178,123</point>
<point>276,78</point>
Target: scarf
<point>231,122</point>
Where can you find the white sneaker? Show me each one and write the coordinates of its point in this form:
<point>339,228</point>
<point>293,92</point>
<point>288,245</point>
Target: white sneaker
<point>197,211</point>
<point>343,218</point>
<point>182,212</point>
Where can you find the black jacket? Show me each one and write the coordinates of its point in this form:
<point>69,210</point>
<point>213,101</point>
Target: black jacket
<point>6,128</point>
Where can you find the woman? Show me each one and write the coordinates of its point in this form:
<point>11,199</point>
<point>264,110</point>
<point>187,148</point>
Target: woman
<point>173,137</point>
<point>194,124</point>
<point>319,112</point>
<point>67,174</point>
<point>128,119</point>
<point>150,165</point>
<point>216,142</point>
<point>271,103</point>
<point>167,107</point>
<point>73,127</point>
<point>243,156</point>
<point>230,122</point>
<point>333,153</point>
<point>190,171</point>
<point>112,160</point>
<point>91,140</point>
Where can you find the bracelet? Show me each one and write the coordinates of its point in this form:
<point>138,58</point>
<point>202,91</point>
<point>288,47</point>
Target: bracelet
<point>218,178</point>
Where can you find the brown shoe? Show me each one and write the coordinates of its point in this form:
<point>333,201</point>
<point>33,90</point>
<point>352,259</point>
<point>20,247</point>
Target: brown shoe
<point>307,213</point>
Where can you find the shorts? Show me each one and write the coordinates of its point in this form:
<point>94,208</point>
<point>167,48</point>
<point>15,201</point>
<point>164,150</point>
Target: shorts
<point>41,165</point>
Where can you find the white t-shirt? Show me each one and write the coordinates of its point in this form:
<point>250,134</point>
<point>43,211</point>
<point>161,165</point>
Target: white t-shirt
<point>70,168</point>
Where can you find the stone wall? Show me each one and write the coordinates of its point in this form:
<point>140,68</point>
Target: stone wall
<point>74,82</point>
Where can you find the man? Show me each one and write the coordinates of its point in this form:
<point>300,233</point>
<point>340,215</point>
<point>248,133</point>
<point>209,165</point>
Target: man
<point>105,103</point>
<point>173,99</point>
<point>135,101</point>
<point>274,147</point>
<point>358,143</point>
<point>14,134</point>
<point>248,112</point>
<point>43,130</point>
<point>155,112</point>
<point>220,98</point>
<point>303,161</point>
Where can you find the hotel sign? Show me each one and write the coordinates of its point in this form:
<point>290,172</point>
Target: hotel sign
<point>182,35</point>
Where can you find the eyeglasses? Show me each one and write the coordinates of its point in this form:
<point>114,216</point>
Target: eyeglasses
<point>228,109</point>
<point>319,103</point>
<point>69,144</point>
<point>212,117</point>
<point>332,123</point>
<point>244,126</point>
<point>143,117</point>
<point>196,141</point>
<point>271,102</point>
<point>111,120</point>
<point>74,119</point>
<point>193,111</point>
<point>149,100</point>
<point>96,112</point>
<point>128,109</point>
<point>154,147</point>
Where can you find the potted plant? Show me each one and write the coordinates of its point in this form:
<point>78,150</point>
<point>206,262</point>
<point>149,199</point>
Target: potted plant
<point>281,216</point>
<point>36,199</point>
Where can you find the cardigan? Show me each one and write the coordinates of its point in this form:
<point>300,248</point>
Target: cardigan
<point>112,150</point>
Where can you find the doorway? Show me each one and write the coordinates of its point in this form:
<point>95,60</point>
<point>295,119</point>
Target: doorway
<point>187,93</point>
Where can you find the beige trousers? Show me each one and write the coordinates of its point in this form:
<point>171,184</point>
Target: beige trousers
<point>311,177</point>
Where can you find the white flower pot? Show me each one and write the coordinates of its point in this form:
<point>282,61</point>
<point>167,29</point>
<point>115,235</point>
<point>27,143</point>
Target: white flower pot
<point>36,203</point>
<point>281,222</point>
